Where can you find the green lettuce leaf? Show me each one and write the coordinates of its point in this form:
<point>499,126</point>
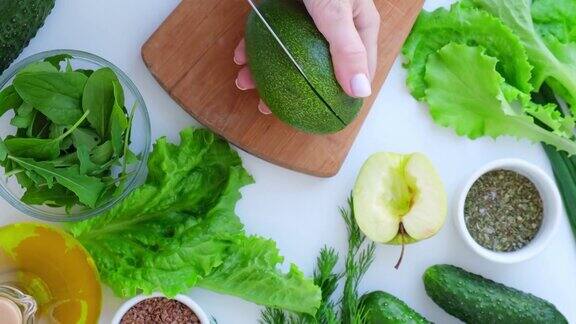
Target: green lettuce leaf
<point>249,270</point>
<point>468,26</point>
<point>553,61</point>
<point>466,92</point>
<point>179,230</point>
<point>555,18</point>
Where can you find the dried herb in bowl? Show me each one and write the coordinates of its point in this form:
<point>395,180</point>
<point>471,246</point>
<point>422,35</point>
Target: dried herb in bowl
<point>503,211</point>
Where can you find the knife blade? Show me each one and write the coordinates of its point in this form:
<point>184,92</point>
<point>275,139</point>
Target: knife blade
<point>278,40</point>
<point>290,56</point>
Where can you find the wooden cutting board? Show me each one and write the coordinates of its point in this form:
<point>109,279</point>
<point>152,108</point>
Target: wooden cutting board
<point>191,57</point>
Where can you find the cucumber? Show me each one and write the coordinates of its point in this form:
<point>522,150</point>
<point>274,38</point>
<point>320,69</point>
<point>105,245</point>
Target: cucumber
<point>475,299</point>
<point>19,22</point>
<point>383,308</point>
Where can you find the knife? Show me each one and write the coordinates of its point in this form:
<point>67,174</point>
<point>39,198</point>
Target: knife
<point>278,40</point>
<point>289,55</point>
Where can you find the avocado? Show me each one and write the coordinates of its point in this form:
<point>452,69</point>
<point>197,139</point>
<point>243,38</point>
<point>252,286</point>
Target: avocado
<point>475,299</point>
<point>318,106</point>
<point>383,308</point>
<point>19,22</point>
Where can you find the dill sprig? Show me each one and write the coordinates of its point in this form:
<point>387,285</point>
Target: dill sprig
<point>347,309</point>
<point>358,260</point>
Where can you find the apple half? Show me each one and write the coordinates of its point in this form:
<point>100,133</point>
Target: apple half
<point>399,198</point>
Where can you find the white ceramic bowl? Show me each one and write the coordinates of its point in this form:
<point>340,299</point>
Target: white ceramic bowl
<point>552,211</point>
<point>202,316</point>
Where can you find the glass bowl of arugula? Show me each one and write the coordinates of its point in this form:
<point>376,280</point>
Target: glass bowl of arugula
<point>75,135</point>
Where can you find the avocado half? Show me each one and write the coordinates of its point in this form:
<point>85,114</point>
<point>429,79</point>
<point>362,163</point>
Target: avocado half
<point>321,108</point>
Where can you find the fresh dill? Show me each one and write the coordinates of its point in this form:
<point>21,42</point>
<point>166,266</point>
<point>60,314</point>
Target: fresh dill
<point>346,309</point>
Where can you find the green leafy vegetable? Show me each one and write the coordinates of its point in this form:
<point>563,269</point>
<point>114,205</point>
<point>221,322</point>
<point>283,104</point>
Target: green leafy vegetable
<point>348,309</point>
<point>477,63</point>
<point>38,67</point>
<point>57,195</point>
<point>86,188</point>
<point>327,279</point>
<point>358,260</point>
<point>466,92</point>
<point>24,116</point>
<point>39,148</point>
<point>9,99</point>
<point>85,136</point>
<point>118,121</point>
<point>461,25</point>
<point>179,230</point>
<point>57,59</point>
<point>57,132</point>
<point>99,98</point>
<point>57,95</point>
<point>553,61</point>
<point>102,153</point>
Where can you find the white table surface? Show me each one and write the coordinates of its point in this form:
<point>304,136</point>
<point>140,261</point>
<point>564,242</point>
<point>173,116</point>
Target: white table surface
<point>300,212</point>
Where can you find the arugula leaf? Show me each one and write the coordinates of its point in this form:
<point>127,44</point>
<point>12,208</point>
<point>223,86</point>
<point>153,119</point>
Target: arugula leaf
<point>24,116</point>
<point>3,151</point>
<point>118,121</point>
<point>85,136</point>
<point>86,188</point>
<point>57,195</point>
<point>55,60</point>
<point>38,67</point>
<point>179,230</point>
<point>57,95</point>
<point>99,99</point>
<point>86,164</point>
<point>87,73</point>
<point>102,153</point>
<point>65,160</point>
<point>9,99</point>
<point>56,131</point>
<point>466,92</point>
<point>37,148</point>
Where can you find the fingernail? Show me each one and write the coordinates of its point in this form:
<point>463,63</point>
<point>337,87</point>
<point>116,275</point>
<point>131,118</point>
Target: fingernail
<point>236,60</point>
<point>361,86</point>
<point>238,85</point>
<point>263,108</point>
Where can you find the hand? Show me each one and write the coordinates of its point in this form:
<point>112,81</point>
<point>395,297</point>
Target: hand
<point>351,28</point>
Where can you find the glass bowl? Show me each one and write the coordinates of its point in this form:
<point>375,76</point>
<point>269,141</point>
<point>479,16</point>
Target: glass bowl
<point>12,191</point>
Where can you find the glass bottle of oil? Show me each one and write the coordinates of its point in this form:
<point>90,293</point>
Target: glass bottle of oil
<point>48,267</point>
<point>15,306</point>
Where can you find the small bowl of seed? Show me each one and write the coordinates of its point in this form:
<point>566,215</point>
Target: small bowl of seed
<point>508,211</point>
<point>159,309</point>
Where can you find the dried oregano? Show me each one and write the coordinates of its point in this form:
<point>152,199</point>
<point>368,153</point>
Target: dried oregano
<point>503,211</point>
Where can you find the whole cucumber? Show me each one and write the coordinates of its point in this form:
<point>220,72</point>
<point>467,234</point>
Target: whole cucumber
<point>383,308</point>
<point>475,299</point>
<point>19,22</point>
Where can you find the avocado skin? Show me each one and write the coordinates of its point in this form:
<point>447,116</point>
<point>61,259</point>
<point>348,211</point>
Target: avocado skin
<point>19,22</point>
<point>383,308</point>
<point>280,84</point>
<point>475,299</point>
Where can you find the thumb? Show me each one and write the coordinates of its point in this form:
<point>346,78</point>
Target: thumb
<point>335,20</point>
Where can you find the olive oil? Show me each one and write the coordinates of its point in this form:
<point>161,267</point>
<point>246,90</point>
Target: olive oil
<point>54,269</point>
